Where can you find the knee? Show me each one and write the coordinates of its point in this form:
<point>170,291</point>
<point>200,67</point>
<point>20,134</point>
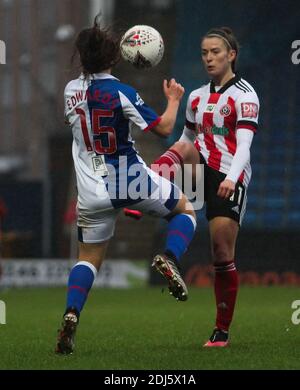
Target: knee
<point>220,253</point>
<point>186,151</point>
<point>190,212</point>
<point>188,208</point>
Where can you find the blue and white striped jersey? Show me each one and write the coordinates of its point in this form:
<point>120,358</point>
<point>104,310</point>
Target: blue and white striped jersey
<point>102,113</point>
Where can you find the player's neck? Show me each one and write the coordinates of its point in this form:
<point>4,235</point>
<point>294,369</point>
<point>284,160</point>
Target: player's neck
<point>223,79</point>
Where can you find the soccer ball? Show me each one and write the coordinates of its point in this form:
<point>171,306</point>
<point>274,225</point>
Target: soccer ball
<point>142,46</point>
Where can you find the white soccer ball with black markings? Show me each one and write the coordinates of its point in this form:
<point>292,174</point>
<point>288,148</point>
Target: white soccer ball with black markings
<point>142,46</point>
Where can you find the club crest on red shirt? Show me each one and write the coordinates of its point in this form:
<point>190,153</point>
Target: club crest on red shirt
<point>225,110</point>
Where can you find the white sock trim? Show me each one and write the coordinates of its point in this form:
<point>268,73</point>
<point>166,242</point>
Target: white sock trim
<point>89,265</point>
<point>192,219</point>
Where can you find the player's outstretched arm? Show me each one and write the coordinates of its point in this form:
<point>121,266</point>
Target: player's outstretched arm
<point>244,139</point>
<point>173,92</point>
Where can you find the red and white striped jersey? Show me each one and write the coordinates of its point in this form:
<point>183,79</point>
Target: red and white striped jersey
<point>215,115</point>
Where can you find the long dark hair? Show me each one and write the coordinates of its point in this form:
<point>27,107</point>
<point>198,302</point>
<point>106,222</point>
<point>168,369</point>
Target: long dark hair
<point>228,37</point>
<point>98,49</point>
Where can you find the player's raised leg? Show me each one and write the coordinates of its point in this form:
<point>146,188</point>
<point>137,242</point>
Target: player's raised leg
<point>81,279</point>
<point>168,165</point>
<point>174,159</point>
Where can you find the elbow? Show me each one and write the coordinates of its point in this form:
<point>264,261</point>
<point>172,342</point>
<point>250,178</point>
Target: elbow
<point>167,132</point>
<point>163,131</point>
<point>163,135</point>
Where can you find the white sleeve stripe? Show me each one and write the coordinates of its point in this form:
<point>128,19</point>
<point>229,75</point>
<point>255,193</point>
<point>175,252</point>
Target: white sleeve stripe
<point>131,112</point>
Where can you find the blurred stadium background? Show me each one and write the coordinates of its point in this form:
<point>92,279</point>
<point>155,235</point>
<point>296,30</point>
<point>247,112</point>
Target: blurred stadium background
<point>37,188</point>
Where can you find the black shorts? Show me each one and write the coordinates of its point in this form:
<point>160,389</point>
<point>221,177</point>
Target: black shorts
<point>233,207</point>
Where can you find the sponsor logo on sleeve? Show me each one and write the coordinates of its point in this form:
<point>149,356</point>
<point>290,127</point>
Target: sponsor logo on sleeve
<point>249,110</point>
<point>139,100</point>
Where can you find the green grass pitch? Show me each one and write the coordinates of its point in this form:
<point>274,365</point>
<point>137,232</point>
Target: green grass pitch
<point>144,329</point>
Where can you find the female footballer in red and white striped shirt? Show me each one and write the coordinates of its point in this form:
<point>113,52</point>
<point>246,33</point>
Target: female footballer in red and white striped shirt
<point>221,119</point>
